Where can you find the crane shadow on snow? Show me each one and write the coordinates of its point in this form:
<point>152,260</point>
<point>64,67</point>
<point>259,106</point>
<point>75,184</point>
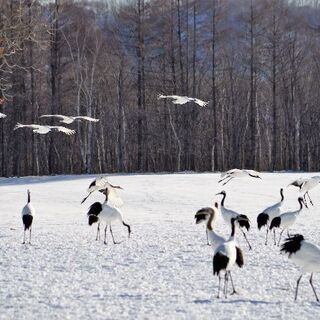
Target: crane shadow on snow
<point>257,302</point>
<point>202,301</point>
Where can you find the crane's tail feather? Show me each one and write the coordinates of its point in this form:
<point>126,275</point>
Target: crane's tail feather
<point>262,220</point>
<point>161,96</point>
<point>245,222</point>
<point>275,223</point>
<point>18,125</point>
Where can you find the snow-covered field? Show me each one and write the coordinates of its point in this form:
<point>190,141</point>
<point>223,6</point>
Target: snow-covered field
<point>165,270</point>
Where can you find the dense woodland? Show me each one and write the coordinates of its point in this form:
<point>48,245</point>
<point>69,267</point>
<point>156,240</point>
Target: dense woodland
<point>256,61</point>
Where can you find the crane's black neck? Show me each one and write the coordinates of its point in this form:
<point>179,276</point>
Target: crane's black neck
<point>209,223</point>
<point>28,196</point>
<point>281,194</point>
<point>233,228</point>
<point>300,200</point>
<point>223,198</point>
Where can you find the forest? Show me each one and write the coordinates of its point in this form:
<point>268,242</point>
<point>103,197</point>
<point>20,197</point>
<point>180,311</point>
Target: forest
<point>257,63</point>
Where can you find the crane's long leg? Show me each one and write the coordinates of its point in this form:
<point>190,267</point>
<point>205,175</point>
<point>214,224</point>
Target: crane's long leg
<point>227,177</point>
<point>129,228</point>
<point>114,242</point>
<point>105,235</point>
<point>207,237</point>
<point>296,295</point>
<point>233,289</point>
<point>98,232</point>
<point>305,200</point>
<point>218,296</point>
<point>250,248</point>
<point>280,237</point>
<point>228,181</point>
<point>309,197</point>
<point>266,242</point>
<point>226,284</point>
<point>24,236</point>
<point>314,290</point>
<point>30,235</point>
<point>274,237</point>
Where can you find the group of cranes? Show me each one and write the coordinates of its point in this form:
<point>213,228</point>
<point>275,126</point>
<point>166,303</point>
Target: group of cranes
<point>227,253</point>
<point>107,211</point>
<point>44,129</point>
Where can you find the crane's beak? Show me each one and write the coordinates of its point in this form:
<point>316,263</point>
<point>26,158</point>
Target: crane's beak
<point>241,219</point>
<point>116,187</point>
<point>218,193</point>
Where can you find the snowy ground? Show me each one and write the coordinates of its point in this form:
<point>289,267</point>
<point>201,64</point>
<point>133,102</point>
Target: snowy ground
<point>164,271</point>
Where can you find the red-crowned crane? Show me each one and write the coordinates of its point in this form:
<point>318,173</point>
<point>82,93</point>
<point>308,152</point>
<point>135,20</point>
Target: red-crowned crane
<point>267,215</point>
<point>238,173</point>
<point>306,255</point>
<point>305,185</point>
<point>103,212</point>
<point>28,212</point>
<point>183,100</point>
<point>226,255</point>
<point>100,184</point>
<point>286,219</point>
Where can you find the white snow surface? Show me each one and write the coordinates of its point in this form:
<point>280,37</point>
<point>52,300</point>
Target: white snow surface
<point>165,270</point>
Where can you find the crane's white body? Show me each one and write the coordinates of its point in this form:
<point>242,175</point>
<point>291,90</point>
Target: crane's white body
<point>309,184</point>
<point>109,214</point>
<point>274,210</point>
<point>215,239</point>
<point>28,209</point>
<point>183,100</point>
<point>44,129</point>
<point>289,218</point>
<point>69,119</point>
<point>2,115</point>
<point>228,249</point>
<point>307,257</point>
<point>228,214</point>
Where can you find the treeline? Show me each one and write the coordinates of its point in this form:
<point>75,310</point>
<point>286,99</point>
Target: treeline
<point>256,61</point>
